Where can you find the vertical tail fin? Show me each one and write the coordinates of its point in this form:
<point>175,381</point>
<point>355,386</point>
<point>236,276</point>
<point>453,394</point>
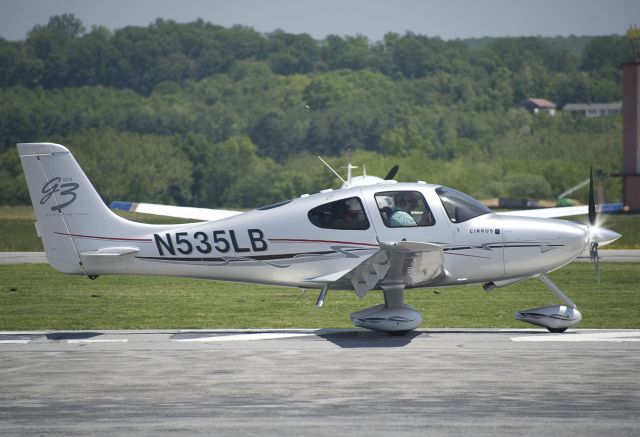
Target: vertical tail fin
<point>71,216</point>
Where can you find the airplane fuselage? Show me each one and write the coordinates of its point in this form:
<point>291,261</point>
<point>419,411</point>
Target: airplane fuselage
<point>283,245</point>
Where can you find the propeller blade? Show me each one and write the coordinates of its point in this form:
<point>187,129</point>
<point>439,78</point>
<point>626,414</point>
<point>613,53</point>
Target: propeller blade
<point>593,252</point>
<point>593,247</point>
<point>392,173</point>
<point>592,201</point>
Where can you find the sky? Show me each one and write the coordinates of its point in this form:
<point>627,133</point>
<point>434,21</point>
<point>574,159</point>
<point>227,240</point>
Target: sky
<point>447,19</point>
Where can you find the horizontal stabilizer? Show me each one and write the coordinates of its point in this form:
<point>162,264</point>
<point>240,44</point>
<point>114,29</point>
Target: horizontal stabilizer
<point>108,260</point>
<point>111,251</point>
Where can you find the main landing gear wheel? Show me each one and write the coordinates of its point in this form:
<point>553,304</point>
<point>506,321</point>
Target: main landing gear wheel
<point>393,317</point>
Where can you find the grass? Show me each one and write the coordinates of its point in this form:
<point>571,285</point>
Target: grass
<point>34,297</point>
<point>18,232</point>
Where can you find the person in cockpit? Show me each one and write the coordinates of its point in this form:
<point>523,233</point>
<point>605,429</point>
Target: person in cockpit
<point>401,216</point>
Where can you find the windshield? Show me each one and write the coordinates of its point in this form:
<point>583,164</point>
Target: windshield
<point>460,207</point>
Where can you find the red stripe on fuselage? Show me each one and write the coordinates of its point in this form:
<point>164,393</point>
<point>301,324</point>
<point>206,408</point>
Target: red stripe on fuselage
<point>301,240</point>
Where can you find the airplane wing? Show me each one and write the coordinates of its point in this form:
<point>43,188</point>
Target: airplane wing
<point>564,211</point>
<point>186,212</point>
<point>404,262</point>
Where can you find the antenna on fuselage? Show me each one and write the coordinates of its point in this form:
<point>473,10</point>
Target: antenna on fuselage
<point>349,168</point>
<point>330,168</point>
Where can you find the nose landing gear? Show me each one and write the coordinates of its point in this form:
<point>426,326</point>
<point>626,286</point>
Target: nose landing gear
<point>556,318</point>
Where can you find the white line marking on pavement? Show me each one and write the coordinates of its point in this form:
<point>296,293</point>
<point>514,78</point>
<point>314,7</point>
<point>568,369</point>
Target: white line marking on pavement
<point>586,336</point>
<point>98,340</point>
<point>14,341</point>
<point>247,337</point>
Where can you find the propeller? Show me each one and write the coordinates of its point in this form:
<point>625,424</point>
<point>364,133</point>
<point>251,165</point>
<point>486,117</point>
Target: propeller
<point>392,172</point>
<point>593,245</point>
<point>592,200</point>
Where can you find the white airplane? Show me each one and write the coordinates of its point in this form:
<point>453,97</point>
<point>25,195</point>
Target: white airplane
<point>388,236</point>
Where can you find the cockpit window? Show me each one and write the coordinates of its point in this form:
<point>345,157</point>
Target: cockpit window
<point>401,209</point>
<point>460,207</point>
<point>345,214</point>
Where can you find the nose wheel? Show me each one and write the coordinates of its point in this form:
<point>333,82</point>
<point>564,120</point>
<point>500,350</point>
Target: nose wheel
<point>556,318</point>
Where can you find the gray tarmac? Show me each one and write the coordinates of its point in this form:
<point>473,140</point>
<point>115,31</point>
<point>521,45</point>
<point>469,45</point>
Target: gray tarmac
<point>23,258</point>
<point>320,382</point>
<point>612,255</point>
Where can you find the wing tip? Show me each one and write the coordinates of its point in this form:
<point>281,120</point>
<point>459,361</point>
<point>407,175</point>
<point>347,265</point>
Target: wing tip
<point>123,206</point>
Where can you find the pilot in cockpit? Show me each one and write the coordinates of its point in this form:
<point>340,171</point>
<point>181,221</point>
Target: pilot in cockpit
<point>409,210</point>
<point>405,202</point>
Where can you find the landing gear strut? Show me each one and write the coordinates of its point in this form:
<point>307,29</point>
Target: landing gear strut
<point>556,318</point>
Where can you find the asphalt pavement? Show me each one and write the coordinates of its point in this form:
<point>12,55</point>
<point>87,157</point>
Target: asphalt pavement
<point>320,382</point>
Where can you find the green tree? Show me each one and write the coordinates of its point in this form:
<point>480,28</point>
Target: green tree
<point>126,166</point>
<point>52,45</point>
<point>605,55</point>
<point>14,186</point>
<point>218,167</point>
<point>524,185</point>
<point>290,54</point>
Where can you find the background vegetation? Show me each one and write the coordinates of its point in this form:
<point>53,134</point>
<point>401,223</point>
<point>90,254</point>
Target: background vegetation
<point>198,114</point>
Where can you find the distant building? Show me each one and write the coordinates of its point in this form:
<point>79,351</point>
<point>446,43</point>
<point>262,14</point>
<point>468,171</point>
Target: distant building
<point>536,106</point>
<point>590,110</point>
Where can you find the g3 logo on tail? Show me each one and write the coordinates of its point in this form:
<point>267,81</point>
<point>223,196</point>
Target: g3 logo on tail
<point>54,186</point>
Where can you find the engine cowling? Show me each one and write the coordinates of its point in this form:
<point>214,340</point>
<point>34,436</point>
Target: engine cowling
<point>553,317</point>
<point>385,319</point>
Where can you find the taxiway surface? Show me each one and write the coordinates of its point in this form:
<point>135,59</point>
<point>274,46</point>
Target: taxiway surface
<point>320,382</point>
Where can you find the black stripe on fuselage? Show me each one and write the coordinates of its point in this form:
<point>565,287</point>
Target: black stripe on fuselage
<point>284,256</point>
<point>500,245</point>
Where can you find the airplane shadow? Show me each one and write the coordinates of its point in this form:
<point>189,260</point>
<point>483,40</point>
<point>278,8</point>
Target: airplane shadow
<point>61,336</point>
<point>355,338</point>
<point>366,339</point>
